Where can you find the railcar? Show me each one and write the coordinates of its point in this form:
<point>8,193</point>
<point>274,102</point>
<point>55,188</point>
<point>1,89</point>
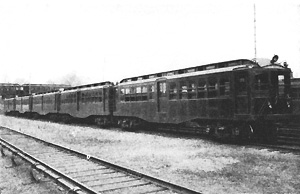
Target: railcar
<point>43,104</point>
<point>228,99</point>
<point>93,101</point>
<point>88,101</point>
<point>17,105</point>
<point>232,99</point>
<point>41,88</point>
<point>18,101</point>
<point>295,95</point>
<point>10,105</point>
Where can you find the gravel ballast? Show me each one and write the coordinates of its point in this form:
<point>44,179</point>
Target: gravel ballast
<point>17,180</point>
<point>202,165</point>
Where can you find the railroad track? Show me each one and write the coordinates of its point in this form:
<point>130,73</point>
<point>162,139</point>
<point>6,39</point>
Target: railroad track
<point>81,173</point>
<point>288,140</point>
<point>278,147</point>
<point>289,135</point>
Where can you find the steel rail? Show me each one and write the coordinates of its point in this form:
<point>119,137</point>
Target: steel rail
<point>59,176</point>
<point>278,147</point>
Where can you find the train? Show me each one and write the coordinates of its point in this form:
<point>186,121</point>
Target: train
<point>10,90</point>
<point>236,99</point>
<point>295,95</point>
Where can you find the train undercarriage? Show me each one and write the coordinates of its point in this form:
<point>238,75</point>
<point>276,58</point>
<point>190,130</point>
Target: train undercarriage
<point>220,130</point>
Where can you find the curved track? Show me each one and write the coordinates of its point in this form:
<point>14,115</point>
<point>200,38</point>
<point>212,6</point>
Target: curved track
<point>79,172</point>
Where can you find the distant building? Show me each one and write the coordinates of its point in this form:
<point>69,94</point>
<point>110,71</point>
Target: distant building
<point>40,88</point>
<point>10,90</point>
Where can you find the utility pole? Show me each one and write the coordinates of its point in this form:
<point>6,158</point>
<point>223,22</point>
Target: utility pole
<point>255,33</point>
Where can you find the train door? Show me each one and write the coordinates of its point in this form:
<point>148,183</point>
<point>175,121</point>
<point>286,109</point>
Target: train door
<point>6,105</point>
<point>57,102</point>
<point>104,98</point>
<point>14,104</point>
<point>41,102</point>
<point>162,100</point>
<point>112,95</point>
<point>241,98</point>
<point>30,103</point>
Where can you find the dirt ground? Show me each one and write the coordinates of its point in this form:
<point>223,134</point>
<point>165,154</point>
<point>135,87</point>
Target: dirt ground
<point>202,165</point>
<point>17,180</point>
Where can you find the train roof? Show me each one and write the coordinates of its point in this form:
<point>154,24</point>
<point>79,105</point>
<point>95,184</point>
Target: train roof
<point>75,88</point>
<point>191,74</point>
<point>41,94</point>
<point>71,89</point>
<point>9,84</point>
<point>50,85</point>
<point>9,98</point>
<point>204,69</point>
<point>46,93</point>
<point>21,97</point>
<point>88,86</point>
<point>193,71</point>
<point>208,68</point>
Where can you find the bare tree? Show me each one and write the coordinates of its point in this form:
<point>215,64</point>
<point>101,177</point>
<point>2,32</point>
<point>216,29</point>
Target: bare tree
<point>21,81</point>
<point>71,79</point>
<point>50,82</point>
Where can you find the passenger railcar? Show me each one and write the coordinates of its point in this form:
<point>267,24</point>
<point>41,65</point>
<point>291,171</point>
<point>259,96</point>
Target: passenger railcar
<point>228,99</point>
<point>237,98</point>
<point>17,105</point>
<point>295,86</point>
<point>88,101</point>
<point>179,96</point>
<point>10,105</point>
<point>42,104</point>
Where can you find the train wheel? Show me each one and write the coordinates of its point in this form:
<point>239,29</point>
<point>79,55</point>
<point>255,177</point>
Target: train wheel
<point>131,125</point>
<point>128,124</point>
<point>119,123</point>
<point>124,124</point>
<point>98,122</point>
<point>243,133</point>
<point>102,122</point>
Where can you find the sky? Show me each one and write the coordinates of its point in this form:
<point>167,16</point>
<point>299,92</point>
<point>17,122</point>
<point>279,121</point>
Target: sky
<point>47,41</point>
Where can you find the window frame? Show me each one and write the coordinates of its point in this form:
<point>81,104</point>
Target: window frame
<point>173,91</point>
<point>213,87</point>
<point>201,89</point>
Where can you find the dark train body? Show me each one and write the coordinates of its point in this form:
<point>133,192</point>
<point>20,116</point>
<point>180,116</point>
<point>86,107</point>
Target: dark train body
<point>295,95</point>
<point>236,98</point>
<point>9,90</point>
